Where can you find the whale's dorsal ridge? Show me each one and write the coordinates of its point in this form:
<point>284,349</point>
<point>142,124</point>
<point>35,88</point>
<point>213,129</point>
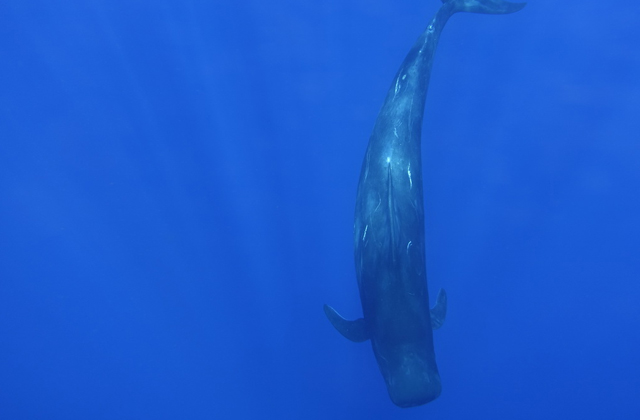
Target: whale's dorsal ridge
<point>439,310</point>
<point>353,330</point>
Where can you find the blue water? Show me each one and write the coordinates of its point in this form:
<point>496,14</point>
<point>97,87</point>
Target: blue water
<point>177,185</point>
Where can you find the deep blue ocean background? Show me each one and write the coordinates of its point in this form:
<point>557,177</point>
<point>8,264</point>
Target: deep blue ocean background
<point>177,187</point>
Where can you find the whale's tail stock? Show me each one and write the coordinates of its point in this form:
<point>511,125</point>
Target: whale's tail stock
<point>496,7</point>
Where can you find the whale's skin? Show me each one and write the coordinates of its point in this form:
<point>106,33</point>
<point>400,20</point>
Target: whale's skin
<point>389,240</point>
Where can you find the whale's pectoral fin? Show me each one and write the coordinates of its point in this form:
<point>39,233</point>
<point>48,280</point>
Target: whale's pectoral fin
<point>439,310</point>
<point>353,330</point>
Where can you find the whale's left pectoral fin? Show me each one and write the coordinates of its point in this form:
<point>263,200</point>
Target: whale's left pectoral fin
<point>352,330</point>
<point>439,310</point>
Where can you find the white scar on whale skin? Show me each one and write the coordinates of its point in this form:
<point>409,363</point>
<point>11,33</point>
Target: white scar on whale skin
<point>378,206</point>
<point>409,173</point>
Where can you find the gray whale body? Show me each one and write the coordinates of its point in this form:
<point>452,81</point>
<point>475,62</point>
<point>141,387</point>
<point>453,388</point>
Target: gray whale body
<point>389,228</point>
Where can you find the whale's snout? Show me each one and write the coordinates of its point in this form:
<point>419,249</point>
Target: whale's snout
<point>415,382</point>
<point>412,391</point>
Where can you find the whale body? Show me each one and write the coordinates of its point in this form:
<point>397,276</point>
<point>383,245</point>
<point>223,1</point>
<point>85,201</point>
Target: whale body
<point>389,238</point>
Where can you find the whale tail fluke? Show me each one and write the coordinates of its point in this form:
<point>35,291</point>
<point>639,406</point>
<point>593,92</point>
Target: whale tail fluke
<point>496,7</point>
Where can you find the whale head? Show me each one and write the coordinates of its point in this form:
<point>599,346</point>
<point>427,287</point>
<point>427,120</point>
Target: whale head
<point>411,376</point>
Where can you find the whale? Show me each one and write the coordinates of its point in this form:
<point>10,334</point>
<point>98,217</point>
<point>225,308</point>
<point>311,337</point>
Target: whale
<point>389,240</point>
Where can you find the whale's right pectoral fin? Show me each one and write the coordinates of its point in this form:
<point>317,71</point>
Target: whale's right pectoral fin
<point>439,310</point>
<point>352,330</point>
